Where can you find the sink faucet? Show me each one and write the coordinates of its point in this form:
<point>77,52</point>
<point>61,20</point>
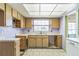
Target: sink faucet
<point>40,32</point>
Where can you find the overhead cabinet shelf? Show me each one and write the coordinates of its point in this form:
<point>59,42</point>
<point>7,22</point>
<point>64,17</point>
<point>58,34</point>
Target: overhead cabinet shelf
<point>10,17</point>
<point>16,23</point>
<point>55,23</point>
<point>2,20</point>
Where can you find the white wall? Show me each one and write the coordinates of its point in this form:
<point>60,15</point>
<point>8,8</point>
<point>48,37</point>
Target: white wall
<point>62,31</point>
<point>9,32</point>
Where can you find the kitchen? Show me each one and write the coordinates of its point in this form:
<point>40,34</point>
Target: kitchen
<point>27,27</point>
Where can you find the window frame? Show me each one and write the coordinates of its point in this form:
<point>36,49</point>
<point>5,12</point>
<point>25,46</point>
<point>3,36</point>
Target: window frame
<point>41,25</point>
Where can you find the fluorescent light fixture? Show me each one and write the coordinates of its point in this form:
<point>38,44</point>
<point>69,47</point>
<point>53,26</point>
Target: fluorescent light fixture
<point>64,7</point>
<point>31,7</point>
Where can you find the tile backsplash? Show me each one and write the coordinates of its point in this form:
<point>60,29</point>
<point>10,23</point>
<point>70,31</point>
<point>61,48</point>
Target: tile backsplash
<point>11,32</point>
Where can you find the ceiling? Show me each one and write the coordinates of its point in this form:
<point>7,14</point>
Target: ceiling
<point>43,10</point>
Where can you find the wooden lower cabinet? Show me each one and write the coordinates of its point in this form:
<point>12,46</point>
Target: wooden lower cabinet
<point>58,41</point>
<point>23,42</point>
<point>10,48</point>
<point>45,42</point>
<point>32,43</point>
<point>39,42</point>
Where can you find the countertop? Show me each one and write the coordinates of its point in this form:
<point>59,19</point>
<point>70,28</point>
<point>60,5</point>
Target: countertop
<point>74,39</point>
<point>33,33</point>
<point>8,39</point>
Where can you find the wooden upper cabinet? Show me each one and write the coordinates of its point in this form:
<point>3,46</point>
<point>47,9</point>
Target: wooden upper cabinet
<point>8,12</point>
<point>8,15</point>
<point>2,14</point>
<point>2,6</point>
<point>2,20</point>
<point>15,13</point>
<point>56,23</point>
<point>16,23</point>
<point>28,23</point>
<point>22,22</point>
<point>19,16</point>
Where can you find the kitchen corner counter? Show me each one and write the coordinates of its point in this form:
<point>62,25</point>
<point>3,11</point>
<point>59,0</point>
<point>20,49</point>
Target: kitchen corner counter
<point>76,40</point>
<point>8,39</point>
<point>9,46</point>
<point>37,33</point>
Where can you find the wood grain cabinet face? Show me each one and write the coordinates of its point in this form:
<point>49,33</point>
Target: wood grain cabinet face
<point>2,20</point>
<point>14,13</point>
<point>32,43</point>
<point>28,23</point>
<point>22,22</point>
<point>9,48</point>
<point>45,41</point>
<point>8,16</point>
<point>23,44</point>
<point>56,23</point>
<point>39,42</point>
<point>2,6</point>
<point>18,16</point>
<point>58,41</point>
<point>8,12</point>
<point>16,23</point>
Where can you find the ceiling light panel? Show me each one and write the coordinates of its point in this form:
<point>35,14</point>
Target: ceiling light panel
<point>57,13</point>
<point>45,13</point>
<point>32,7</point>
<point>34,13</point>
<point>63,7</point>
<point>47,7</point>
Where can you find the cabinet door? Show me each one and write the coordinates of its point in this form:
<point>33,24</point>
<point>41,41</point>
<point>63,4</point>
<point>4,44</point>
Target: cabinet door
<point>22,22</point>
<point>77,49</point>
<point>8,15</point>
<point>2,7</point>
<point>17,44</point>
<point>8,12</point>
<point>14,13</point>
<point>32,43</point>
<point>45,42</point>
<point>68,48</point>
<point>59,41</point>
<point>28,23</point>
<point>39,42</point>
<point>2,20</point>
<point>23,45</point>
<point>19,16</point>
<point>55,23</point>
<point>72,48</point>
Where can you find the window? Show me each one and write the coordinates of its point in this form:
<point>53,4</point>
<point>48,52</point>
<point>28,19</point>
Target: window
<point>41,25</point>
<point>72,27</point>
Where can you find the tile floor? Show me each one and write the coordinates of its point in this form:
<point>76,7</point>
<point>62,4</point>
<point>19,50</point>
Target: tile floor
<point>44,52</point>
